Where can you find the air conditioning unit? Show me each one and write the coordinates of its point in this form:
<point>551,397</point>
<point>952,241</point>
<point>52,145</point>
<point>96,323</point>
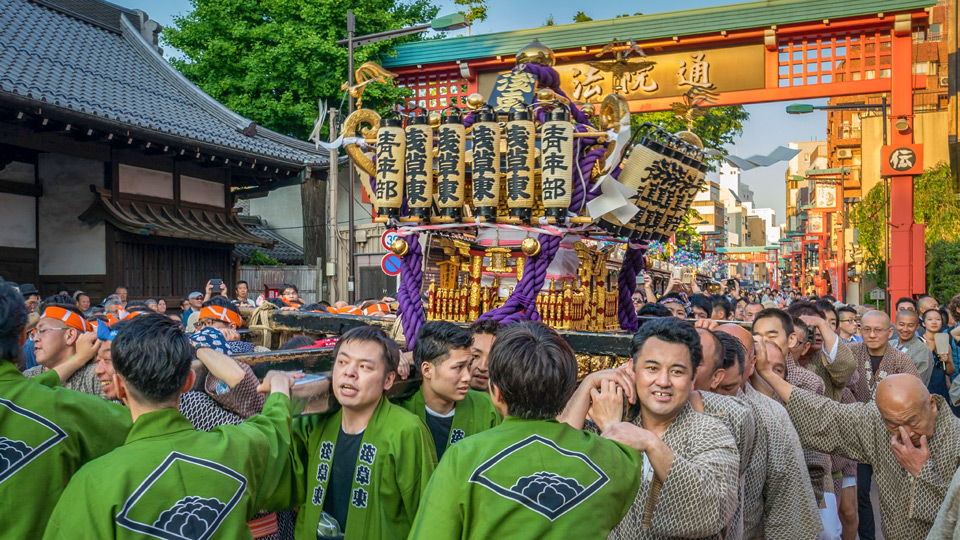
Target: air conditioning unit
<point>944,82</point>
<point>844,153</point>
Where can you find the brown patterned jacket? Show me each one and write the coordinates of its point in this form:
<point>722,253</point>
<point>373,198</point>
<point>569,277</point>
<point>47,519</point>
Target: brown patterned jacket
<point>908,505</point>
<point>699,496</point>
<point>836,375</point>
<point>864,382</point>
<point>818,464</point>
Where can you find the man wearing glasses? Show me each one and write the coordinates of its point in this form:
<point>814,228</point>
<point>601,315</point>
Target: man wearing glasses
<point>63,336</point>
<point>848,325</point>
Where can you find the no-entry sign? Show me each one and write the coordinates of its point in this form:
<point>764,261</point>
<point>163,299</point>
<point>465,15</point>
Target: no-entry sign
<point>390,264</point>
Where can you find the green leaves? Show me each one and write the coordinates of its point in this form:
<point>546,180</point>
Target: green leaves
<point>935,205</point>
<point>271,60</point>
<point>720,126</point>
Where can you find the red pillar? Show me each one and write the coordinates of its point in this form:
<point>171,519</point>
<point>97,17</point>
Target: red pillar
<point>906,270</point>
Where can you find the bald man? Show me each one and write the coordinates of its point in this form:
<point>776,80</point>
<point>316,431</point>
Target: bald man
<point>908,342</point>
<point>733,412</point>
<point>876,358</point>
<point>909,437</point>
<point>778,499</point>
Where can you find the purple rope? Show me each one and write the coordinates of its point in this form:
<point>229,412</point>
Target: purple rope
<point>627,283</point>
<point>521,306</point>
<point>547,76</point>
<point>411,280</point>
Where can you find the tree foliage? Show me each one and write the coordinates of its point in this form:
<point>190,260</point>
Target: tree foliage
<point>943,269</point>
<point>549,21</point>
<point>581,17</point>
<point>936,206</point>
<point>259,258</point>
<point>687,235</point>
<point>476,9</point>
<point>719,127</point>
<point>271,60</point>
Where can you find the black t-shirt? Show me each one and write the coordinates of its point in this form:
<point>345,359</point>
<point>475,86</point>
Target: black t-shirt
<point>440,429</point>
<point>345,453</point>
<point>875,362</point>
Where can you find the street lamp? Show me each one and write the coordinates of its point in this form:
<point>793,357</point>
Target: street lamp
<point>806,108</point>
<point>454,21</point>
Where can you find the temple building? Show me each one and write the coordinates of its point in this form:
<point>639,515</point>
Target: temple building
<point>114,168</point>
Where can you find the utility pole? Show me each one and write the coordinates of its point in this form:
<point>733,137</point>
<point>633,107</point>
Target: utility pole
<point>351,283</point>
<point>448,22</point>
<point>333,236</point>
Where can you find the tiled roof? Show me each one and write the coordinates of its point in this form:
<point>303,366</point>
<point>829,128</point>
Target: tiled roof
<point>90,59</point>
<point>283,250</point>
<point>149,219</point>
<point>640,28</point>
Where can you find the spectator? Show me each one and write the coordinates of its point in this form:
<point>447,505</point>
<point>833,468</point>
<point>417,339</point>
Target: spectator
<point>152,305</point>
<point>907,341</point>
<point>162,306</point>
<point>83,300</point>
<point>289,298</point>
<point>675,303</point>
<point>722,310</point>
<point>906,303</point>
<point>751,310</point>
<point>31,297</point>
<point>210,292</point>
<point>738,312</point>
<point>121,293</point>
<point>848,325</point>
<point>925,303</point>
<point>194,303</point>
<point>654,310</point>
<point>942,360</point>
<point>242,291</point>
<point>700,306</point>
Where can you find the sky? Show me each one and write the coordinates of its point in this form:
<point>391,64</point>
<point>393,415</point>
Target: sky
<point>769,125</point>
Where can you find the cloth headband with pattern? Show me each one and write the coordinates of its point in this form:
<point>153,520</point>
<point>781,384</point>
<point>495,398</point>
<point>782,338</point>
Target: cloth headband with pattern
<point>345,310</point>
<point>375,308</point>
<point>221,313</point>
<point>68,317</point>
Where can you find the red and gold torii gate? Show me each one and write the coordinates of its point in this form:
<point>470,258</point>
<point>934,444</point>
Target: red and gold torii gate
<point>778,50</point>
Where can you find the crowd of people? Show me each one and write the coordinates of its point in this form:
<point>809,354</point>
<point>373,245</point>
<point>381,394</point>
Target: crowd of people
<point>738,416</point>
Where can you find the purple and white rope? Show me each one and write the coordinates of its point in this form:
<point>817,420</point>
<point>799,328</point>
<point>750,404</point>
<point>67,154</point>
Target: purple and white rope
<point>633,262</point>
<point>521,306</point>
<point>408,296</point>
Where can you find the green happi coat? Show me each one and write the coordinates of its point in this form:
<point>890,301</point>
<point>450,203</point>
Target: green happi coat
<point>171,481</point>
<point>46,434</point>
<point>473,414</point>
<point>395,461</point>
<point>530,479</point>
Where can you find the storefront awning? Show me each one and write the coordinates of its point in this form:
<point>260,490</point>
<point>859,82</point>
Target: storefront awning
<point>150,219</point>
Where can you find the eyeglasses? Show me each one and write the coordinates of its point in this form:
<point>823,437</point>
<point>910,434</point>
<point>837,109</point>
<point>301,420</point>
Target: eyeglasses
<point>851,319</point>
<point>41,331</point>
<point>872,331</point>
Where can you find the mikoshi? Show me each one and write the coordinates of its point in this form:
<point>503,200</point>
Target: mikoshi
<point>534,199</point>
